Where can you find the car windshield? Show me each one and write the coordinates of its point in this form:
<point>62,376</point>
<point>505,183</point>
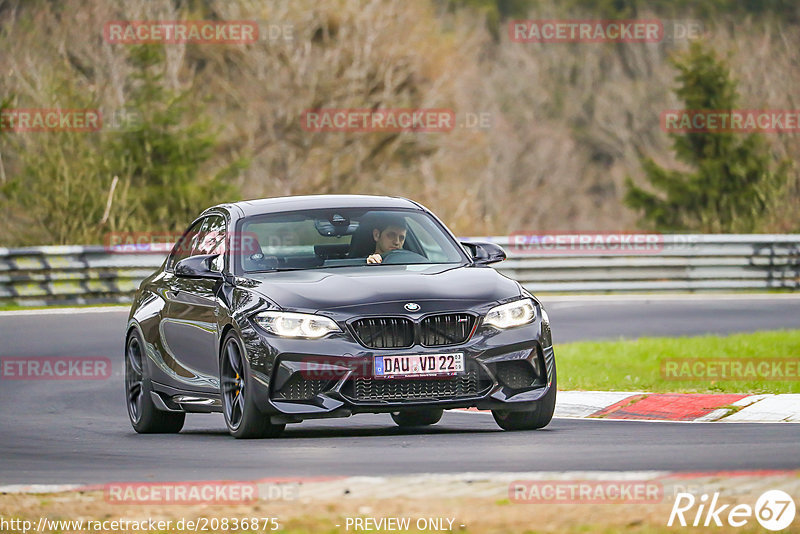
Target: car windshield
<point>316,239</point>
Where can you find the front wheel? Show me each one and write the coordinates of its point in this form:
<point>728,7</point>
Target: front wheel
<point>242,416</point>
<point>145,417</point>
<point>421,417</point>
<point>539,417</point>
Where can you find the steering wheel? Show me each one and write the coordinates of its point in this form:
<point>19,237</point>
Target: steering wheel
<point>401,255</point>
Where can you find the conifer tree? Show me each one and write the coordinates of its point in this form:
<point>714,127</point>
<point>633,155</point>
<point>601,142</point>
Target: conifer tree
<point>734,181</point>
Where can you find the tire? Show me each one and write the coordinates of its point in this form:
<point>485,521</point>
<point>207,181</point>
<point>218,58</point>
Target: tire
<point>418,417</point>
<point>242,417</point>
<point>145,417</point>
<point>538,417</point>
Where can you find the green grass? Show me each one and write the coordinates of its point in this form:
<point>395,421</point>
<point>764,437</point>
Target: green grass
<point>637,365</point>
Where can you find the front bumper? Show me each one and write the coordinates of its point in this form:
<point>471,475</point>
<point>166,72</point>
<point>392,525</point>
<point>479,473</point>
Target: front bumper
<point>296,379</point>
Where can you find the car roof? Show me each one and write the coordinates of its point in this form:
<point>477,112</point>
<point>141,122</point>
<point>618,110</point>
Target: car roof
<point>292,203</point>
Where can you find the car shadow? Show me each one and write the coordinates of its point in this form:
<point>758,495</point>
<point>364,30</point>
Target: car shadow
<point>370,427</point>
<point>298,432</point>
<point>351,428</point>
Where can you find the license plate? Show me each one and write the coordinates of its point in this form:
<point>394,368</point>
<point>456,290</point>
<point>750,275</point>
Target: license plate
<point>405,365</point>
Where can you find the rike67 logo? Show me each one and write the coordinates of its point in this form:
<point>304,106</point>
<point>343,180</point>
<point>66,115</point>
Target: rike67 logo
<point>774,510</point>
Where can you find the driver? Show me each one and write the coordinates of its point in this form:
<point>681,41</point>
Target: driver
<point>389,234</point>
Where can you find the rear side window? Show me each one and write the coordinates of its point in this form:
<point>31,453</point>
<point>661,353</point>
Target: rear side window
<point>212,237</point>
<point>183,248</point>
<point>206,236</point>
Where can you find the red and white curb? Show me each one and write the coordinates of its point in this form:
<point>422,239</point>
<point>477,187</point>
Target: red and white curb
<point>729,408</point>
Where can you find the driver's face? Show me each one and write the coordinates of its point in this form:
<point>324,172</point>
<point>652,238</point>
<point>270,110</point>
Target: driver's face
<point>392,238</point>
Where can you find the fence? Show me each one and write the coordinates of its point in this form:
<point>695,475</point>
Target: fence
<point>673,262</point>
<point>91,274</point>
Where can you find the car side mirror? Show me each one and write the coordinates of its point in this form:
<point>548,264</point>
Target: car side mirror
<point>198,267</point>
<point>485,253</point>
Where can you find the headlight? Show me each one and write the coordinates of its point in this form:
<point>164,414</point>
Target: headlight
<point>515,313</point>
<point>287,324</point>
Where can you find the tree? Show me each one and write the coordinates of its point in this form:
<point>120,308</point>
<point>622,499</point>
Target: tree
<point>163,152</point>
<point>149,175</point>
<point>735,182</point>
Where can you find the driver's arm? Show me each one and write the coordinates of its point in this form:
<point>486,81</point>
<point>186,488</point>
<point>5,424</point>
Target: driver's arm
<point>374,258</point>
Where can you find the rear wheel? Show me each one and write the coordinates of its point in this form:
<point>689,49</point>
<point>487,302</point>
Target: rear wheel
<point>242,416</point>
<point>539,417</point>
<point>145,417</point>
<point>418,417</point>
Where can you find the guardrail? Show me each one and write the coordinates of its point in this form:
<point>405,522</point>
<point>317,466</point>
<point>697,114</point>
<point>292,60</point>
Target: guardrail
<point>565,263</point>
<point>679,262</point>
<point>74,274</point>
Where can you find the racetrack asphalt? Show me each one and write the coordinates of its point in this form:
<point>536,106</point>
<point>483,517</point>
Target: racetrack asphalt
<point>78,432</point>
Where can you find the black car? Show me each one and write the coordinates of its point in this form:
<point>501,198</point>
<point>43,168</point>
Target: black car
<point>278,310</point>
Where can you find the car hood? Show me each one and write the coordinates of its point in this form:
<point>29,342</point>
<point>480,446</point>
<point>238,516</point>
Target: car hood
<point>359,288</point>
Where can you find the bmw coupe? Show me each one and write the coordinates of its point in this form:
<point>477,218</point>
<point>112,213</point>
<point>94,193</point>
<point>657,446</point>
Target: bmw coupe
<point>278,310</point>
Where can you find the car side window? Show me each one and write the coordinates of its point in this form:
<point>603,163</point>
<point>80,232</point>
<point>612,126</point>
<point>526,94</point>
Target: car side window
<point>211,239</point>
<point>187,243</point>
